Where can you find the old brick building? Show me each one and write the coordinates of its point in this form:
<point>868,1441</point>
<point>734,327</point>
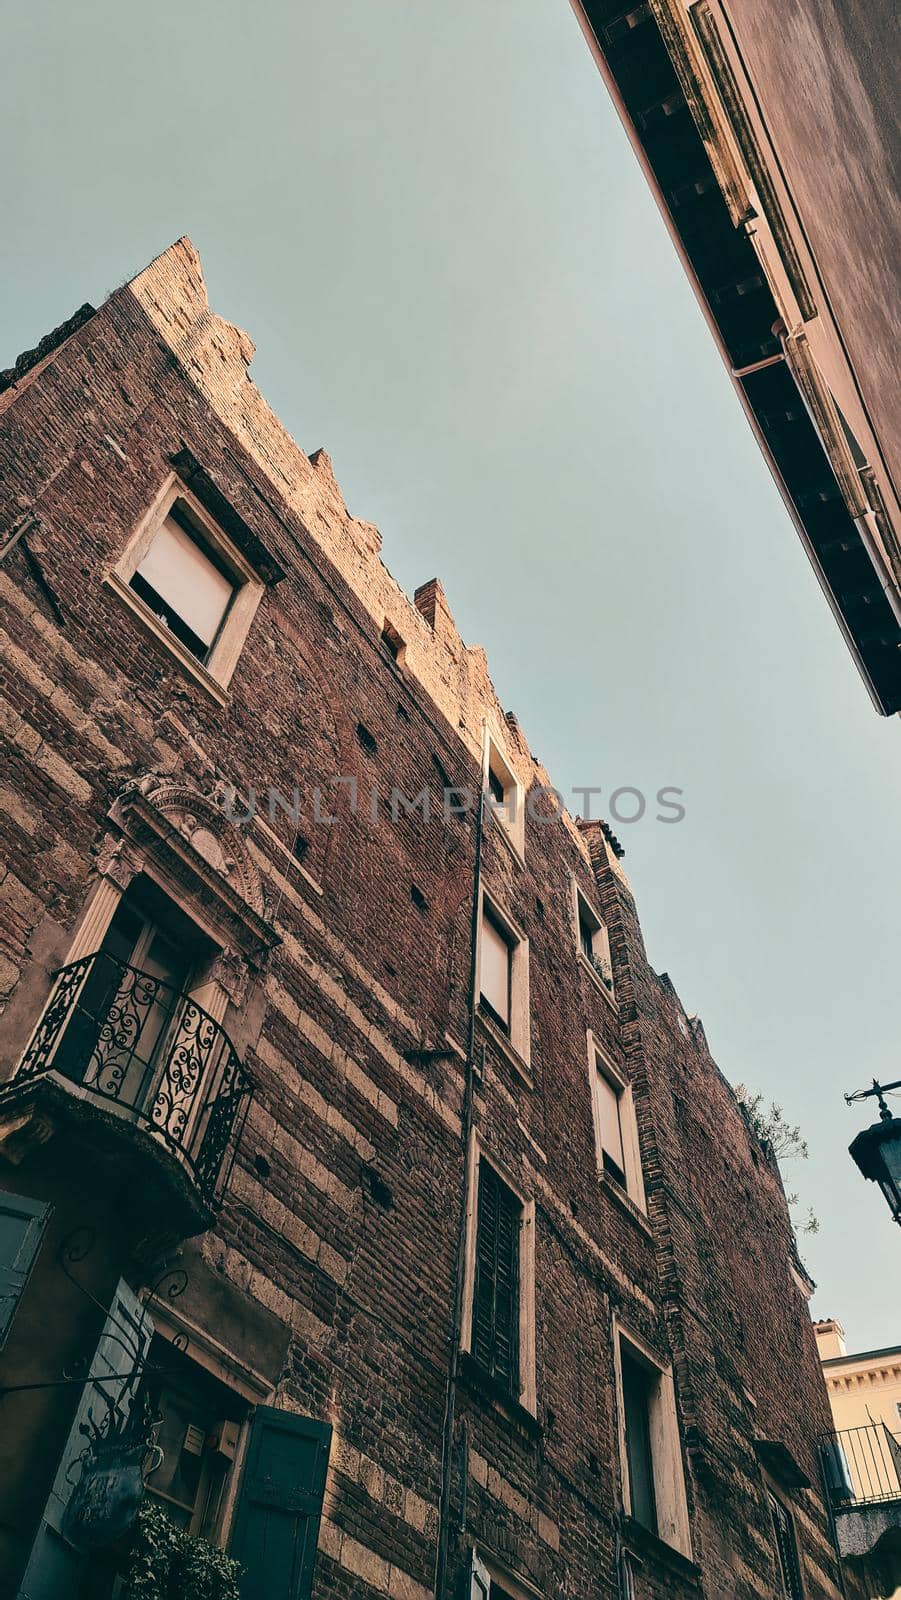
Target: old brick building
<point>770,142</point>
<point>483,1283</point>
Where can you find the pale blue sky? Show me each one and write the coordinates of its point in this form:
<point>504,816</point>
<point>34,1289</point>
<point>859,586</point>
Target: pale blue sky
<point>432,225</point>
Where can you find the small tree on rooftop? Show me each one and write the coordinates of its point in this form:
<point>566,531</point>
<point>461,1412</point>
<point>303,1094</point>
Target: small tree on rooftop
<point>787,1143</point>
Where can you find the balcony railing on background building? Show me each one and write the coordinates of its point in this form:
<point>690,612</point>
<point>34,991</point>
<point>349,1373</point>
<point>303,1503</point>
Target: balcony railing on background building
<point>129,1037</point>
<point>862,1466</point>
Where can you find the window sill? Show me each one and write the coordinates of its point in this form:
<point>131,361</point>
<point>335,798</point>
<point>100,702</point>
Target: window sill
<point>481,1383</point>
<point>625,1202</point>
<point>162,634</point>
<point>498,1037</point>
<point>599,983</point>
<point>649,1547</point>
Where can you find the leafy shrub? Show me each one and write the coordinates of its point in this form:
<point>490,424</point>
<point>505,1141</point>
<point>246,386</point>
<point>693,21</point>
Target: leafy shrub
<point>165,1563</point>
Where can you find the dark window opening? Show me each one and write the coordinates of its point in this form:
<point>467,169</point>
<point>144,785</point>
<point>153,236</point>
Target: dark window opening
<point>786,1550</point>
<point>366,739</point>
<point>495,1315</point>
<point>418,898</point>
<point>496,786</point>
<point>392,643</point>
<point>639,1383</point>
<point>198,1432</point>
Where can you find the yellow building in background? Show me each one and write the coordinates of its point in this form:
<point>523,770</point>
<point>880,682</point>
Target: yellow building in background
<point>864,1388</point>
<point>863,1462</point>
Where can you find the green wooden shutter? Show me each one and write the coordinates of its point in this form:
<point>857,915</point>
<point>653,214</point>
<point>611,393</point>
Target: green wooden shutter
<point>280,1504</point>
<point>54,1566</point>
<point>22,1224</point>
<point>495,1321</point>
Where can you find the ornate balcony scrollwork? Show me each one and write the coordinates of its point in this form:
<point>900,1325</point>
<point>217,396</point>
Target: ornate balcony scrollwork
<point>129,1038</point>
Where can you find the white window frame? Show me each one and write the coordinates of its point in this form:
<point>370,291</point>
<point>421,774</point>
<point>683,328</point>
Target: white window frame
<point>599,1061</point>
<point>216,672</point>
<point>511,815</point>
<point>600,942</point>
<point>517,1043</point>
<point>673,1526</point>
<point>527,1396</point>
<point>488,1571</point>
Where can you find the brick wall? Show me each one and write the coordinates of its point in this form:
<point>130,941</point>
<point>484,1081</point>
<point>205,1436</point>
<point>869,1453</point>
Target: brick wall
<point>342,1215</point>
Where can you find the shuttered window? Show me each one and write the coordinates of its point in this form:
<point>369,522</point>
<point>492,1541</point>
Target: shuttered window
<point>22,1223</point>
<point>496,1296</point>
<point>183,583</point>
<point>786,1550</point>
<point>495,969</point>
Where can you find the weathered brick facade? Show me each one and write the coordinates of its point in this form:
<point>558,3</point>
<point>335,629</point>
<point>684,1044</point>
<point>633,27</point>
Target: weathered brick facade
<point>325,1285</point>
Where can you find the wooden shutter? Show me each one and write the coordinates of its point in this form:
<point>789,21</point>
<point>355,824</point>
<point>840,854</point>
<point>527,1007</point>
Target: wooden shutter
<point>22,1224</point>
<point>280,1504</point>
<point>786,1549</point>
<point>54,1566</point>
<point>495,1317</point>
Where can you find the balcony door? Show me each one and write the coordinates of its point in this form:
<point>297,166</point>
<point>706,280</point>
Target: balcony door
<point>128,1006</point>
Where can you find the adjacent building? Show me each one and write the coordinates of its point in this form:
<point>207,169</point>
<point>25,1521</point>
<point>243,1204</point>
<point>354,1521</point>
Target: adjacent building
<point>770,141</point>
<point>364,1188</point>
<point>864,1457</point>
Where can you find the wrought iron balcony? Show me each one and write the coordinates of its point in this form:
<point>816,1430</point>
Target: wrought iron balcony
<point>862,1466</point>
<point>862,1476</point>
<point>156,1056</point>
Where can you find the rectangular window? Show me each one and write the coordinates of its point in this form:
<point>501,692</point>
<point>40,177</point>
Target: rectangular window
<point>613,1157</point>
<point>593,942</point>
<point>496,1294</point>
<point>650,1444</point>
<point>615,1128</point>
<point>496,964</point>
<point>504,795</point>
<point>786,1550</point>
<point>22,1224</point>
<point>503,957</point>
<point>191,586</point>
<point>198,1429</point>
<point>637,1389</point>
<point>184,585</point>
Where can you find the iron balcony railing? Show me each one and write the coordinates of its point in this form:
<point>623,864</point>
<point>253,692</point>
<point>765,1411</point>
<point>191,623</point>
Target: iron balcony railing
<point>131,1038</point>
<point>862,1466</point>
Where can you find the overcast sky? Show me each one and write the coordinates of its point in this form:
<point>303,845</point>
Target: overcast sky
<point>432,225</point>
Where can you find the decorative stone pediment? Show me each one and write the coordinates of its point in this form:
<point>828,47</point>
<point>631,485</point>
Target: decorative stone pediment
<point>184,837</point>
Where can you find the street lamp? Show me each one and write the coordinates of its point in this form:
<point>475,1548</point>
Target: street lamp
<point>877,1150</point>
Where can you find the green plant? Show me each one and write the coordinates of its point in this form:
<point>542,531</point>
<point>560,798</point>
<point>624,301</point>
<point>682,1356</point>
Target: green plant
<point>769,1125</point>
<point>203,1572</point>
<point>165,1563</point>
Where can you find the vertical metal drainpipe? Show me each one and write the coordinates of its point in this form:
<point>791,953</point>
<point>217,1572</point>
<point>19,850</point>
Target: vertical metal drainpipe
<point>441,1555</point>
